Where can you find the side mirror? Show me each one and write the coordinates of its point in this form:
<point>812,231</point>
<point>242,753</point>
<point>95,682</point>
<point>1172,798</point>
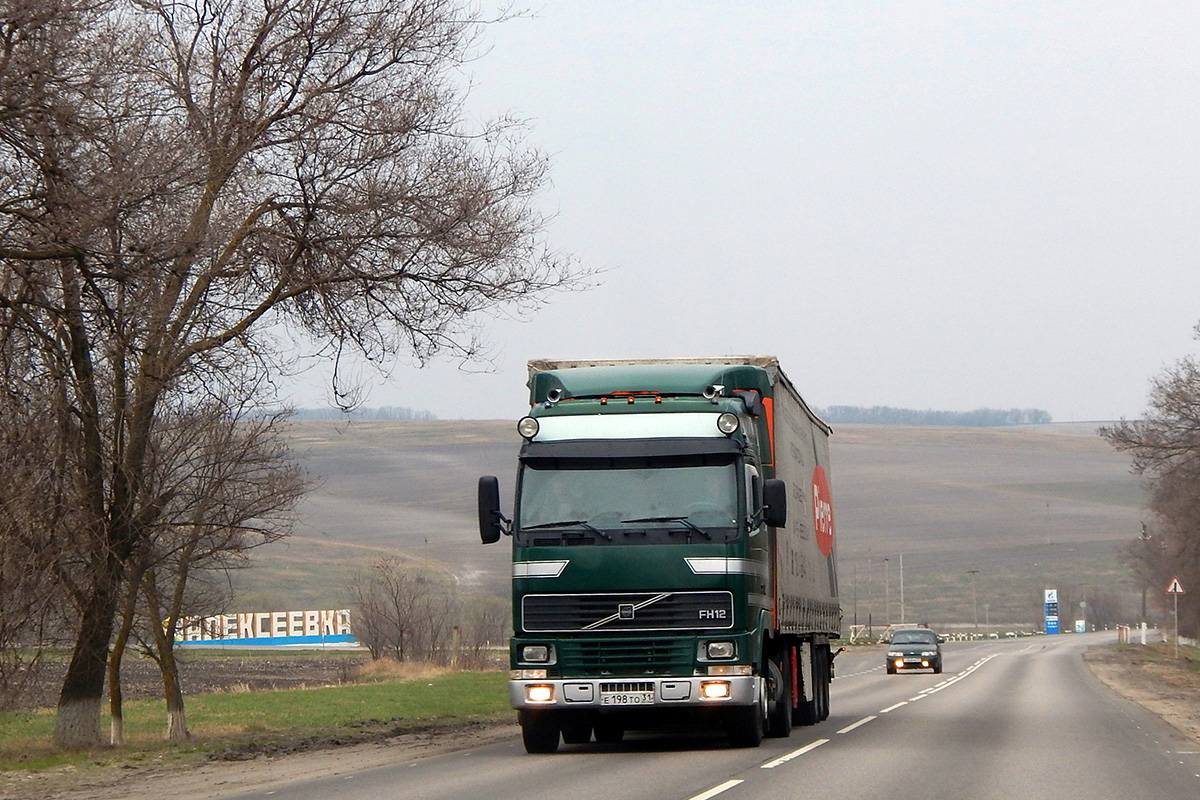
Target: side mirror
<point>775,503</point>
<point>491,521</point>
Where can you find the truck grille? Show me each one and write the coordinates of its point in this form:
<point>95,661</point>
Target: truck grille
<point>643,611</point>
<point>627,686</point>
<point>627,658</point>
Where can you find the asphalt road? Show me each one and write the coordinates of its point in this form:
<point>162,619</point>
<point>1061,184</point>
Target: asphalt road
<point>1019,718</point>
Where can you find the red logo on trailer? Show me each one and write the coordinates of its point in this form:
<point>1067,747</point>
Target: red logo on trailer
<point>822,510</point>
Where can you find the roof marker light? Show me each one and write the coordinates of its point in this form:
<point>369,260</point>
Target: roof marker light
<point>528,427</point>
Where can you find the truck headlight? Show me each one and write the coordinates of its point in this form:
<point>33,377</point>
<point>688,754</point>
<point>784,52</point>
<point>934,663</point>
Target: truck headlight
<point>722,650</point>
<point>537,654</point>
<point>727,423</point>
<point>714,690</point>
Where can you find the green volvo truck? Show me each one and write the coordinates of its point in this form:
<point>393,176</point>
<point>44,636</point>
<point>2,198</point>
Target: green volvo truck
<point>673,553</point>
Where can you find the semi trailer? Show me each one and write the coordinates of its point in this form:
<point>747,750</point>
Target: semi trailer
<point>673,551</point>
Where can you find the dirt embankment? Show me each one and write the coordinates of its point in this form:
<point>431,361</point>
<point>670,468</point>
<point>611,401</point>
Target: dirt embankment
<point>1151,677</point>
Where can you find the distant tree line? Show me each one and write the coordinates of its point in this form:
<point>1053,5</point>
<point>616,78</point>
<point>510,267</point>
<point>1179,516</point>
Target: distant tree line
<point>384,413</point>
<point>979,418</point>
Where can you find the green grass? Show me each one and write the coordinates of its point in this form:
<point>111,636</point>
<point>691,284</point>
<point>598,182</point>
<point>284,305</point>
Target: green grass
<point>271,720</point>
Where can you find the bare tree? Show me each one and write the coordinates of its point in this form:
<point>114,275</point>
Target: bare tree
<point>32,489</point>
<point>233,488</point>
<point>1165,447</point>
<point>186,182</point>
<point>485,624</point>
<point>404,611</point>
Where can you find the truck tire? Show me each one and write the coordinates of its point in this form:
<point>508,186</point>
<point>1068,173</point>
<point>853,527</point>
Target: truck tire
<point>746,725</point>
<point>609,732</point>
<point>810,712</point>
<point>779,720</point>
<point>539,731</point>
<point>825,662</point>
<point>576,729</point>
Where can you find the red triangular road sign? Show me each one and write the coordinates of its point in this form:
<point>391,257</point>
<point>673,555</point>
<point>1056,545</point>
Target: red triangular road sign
<point>1176,587</point>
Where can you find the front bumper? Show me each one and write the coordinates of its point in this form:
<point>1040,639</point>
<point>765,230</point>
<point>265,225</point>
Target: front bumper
<point>913,662</point>
<point>620,693</point>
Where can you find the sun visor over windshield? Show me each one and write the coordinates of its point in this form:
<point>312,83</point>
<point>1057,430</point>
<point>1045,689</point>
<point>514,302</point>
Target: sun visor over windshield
<point>628,448</point>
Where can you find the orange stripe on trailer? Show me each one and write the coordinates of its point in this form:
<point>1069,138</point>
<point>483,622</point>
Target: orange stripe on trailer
<point>768,406</point>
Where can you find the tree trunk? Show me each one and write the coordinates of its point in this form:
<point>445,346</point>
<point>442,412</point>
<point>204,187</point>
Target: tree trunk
<point>177,730</point>
<point>168,667</point>
<point>115,698</point>
<point>77,723</point>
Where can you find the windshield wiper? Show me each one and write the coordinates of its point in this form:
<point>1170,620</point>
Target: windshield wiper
<point>693,526</point>
<point>583,523</point>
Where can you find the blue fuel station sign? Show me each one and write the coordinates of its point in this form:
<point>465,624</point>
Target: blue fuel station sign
<point>1051,606</point>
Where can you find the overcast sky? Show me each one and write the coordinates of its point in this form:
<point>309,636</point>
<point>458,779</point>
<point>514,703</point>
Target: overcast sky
<point>922,205</point>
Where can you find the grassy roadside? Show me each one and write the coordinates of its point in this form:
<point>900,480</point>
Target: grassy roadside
<point>239,725</point>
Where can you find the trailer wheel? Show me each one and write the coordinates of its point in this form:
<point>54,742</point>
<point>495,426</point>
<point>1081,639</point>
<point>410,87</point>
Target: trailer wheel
<point>825,673</point>
<point>539,731</point>
<point>779,720</point>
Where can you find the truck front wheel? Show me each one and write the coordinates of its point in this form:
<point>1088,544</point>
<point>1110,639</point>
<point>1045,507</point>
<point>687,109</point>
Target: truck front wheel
<point>747,724</point>
<point>539,731</point>
<point>779,721</point>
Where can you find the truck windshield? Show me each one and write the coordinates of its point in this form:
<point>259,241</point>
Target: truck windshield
<point>661,504</point>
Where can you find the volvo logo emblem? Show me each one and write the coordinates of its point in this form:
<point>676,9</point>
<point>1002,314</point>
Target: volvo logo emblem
<point>625,611</point>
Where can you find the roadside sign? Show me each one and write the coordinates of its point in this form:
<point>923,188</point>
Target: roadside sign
<point>1175,587</point>
<point>1050,606</point>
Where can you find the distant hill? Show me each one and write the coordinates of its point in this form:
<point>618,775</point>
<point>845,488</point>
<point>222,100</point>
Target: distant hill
<point>979,418</point>
<point>995,515</point>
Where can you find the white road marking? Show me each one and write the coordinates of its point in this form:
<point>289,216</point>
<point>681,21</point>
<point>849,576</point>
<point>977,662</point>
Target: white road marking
<point>893,708</point>
<point>716,790</point>
<point>861,722</point>
<point>794,754</point>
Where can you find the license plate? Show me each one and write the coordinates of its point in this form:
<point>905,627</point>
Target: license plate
<point>626,698</point>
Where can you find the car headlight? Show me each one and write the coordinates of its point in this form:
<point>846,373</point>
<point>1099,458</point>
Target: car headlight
<point>895,654</point>
<point>721,650</point>
<point>927,653</point>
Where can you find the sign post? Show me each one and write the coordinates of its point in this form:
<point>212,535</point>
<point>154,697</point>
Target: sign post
<point>1175,588</point>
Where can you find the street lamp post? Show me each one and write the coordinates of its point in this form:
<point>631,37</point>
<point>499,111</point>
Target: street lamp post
<point>887,592</point>
<point>975,595</point>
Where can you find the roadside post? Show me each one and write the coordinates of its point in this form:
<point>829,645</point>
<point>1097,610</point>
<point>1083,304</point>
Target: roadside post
<point>1175,588</point>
